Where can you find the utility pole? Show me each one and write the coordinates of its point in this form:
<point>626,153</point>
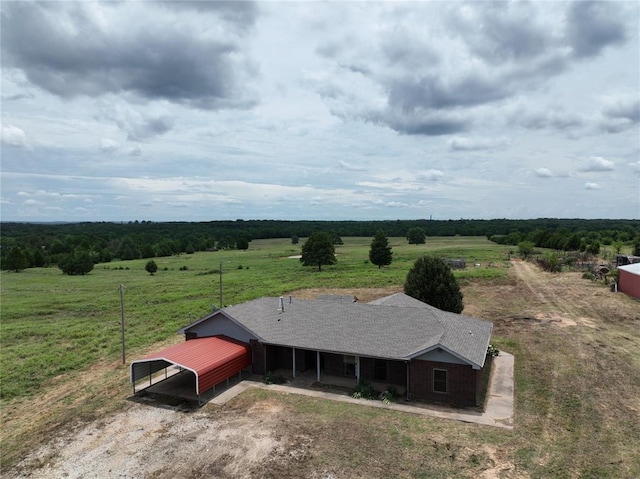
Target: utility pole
<point>220,284</point>
<point>122,320</point>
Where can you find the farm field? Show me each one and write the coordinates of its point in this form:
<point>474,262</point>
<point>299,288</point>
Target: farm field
<point>576,347</point>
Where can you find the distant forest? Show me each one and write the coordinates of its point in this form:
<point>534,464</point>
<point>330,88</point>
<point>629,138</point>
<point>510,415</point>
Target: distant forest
<point>44,243</point>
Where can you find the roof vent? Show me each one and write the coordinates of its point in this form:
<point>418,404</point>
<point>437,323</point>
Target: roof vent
<point>281,305</point>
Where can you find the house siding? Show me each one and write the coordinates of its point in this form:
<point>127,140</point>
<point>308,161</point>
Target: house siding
<point>462,381</point>
<point>258,357</point>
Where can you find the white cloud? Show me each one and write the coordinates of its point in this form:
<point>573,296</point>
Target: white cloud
<point>592,186</point>
<point>13,136</point>
<point>544,173</point>
<point>108,146</point>
<point>471,144</point>
<point>597,163</point>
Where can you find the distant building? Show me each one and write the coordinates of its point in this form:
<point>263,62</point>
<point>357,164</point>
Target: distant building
<point>624,259</point>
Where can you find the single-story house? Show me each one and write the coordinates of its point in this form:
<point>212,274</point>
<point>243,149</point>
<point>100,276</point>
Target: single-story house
<point>629,279</point>
<point>425,353</point>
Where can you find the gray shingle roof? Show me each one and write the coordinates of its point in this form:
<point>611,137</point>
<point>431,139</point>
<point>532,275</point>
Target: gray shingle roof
<point>395,327</point>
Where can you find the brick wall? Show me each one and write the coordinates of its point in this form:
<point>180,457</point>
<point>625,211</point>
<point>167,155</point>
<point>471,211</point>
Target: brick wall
<point>462,381</point>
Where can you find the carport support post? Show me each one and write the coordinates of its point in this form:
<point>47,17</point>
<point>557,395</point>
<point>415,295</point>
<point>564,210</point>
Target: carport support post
<point>318,365</point>
<point>358,368</point>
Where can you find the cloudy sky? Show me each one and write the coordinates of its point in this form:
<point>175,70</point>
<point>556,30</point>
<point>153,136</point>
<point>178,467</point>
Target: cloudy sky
<point>200,111</point>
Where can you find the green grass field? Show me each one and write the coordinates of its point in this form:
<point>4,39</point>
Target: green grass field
<point>576,387</point>
<point>54,324</point>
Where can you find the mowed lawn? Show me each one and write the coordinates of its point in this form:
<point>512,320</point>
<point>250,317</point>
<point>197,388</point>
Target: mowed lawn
<point>577,386</point>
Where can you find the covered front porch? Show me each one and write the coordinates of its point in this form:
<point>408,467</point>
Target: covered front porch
<point>305,366</point>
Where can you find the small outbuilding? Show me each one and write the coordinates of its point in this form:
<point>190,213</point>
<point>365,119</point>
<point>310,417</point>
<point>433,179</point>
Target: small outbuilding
<point>629,279</point>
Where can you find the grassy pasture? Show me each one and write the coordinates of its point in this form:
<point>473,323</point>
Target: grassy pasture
<point>577,387</point>
<point>54,324</point>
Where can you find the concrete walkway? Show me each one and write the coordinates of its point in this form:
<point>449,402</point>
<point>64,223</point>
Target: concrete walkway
<point>498,411</point>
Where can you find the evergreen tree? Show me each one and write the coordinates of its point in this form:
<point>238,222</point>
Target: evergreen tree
<point>294,239</point>
<point>431,281</point>
<point>147,251</point>
<point>318,250</point>
<point>151,267</point>
<point>16,260</point>
<point>380,252</point>
<point>78,262</point>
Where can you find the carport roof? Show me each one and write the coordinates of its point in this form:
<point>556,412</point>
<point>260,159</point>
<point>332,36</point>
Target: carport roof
<point>201,356</point>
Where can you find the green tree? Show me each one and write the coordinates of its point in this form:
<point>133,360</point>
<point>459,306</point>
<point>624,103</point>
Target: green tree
<point>78,262</point>
<point>294,239</point>
<point>151,267</point>
<point>242,243</point>
<point>526,248</point>
<point>147,251</point>
<point>636,247</point>
<point>226,242</point>
<point>39,260</point>
<point>431,281</point>
<point>617,246</point>
<point>416,236</point>
<point>380,252</point>
<point>16,260</point>
<point>128,249</point>
<point>318,250</point>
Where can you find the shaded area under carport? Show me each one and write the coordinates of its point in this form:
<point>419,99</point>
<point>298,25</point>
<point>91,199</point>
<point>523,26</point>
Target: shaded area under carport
<point>191,370</point>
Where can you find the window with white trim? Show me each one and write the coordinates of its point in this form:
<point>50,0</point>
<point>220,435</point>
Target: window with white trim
<point>440,381</point>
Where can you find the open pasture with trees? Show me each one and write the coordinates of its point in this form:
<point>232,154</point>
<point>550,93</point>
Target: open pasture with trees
<point>576,348</point>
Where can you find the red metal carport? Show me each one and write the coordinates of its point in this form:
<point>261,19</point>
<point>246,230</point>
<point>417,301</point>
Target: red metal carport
<point>211,360</point>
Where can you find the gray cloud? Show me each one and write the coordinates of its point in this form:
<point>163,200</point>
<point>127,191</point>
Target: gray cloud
<point>501,31</point>
<point>68,49</point>
<point>592,26</point>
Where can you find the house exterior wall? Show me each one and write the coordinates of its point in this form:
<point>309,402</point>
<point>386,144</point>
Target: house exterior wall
<point>258,365</point>
<point>396,371</point>
<point>629,283</point>
<point>441,356</point>
<point>462,383</point>
<point>219,325</point>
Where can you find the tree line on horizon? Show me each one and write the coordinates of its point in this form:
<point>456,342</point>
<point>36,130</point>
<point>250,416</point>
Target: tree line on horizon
<point>45,244</point>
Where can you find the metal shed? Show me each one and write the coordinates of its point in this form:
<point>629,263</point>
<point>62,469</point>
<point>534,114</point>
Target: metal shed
<point>211,360</point>
<point>629,279</point>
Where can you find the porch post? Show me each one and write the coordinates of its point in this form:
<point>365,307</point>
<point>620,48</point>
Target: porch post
<point>318,365</point>
<point>408,395</point>
<point>294,362</point>
<point>358,368</point>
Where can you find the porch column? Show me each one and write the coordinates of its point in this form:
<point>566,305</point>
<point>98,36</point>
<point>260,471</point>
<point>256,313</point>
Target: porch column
<point>318,365</point>
<point>294,362</point>
<point>358,368</point>
<point>408,396</point>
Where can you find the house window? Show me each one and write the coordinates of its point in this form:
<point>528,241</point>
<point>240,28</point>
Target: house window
<point>440,380</point>
<point>380,370</point>
<point>349,363</point>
